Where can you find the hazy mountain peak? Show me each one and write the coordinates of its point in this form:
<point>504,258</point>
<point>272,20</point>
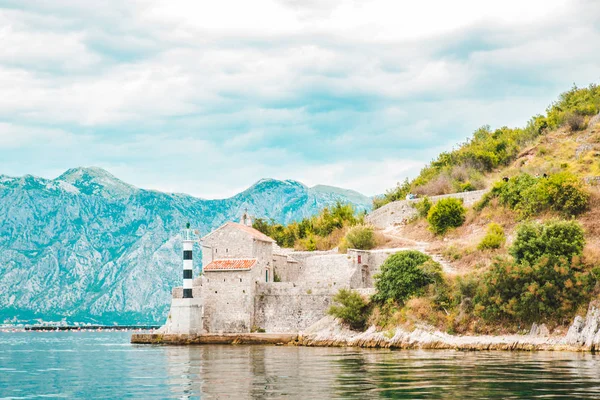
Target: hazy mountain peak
<point>95,180</point>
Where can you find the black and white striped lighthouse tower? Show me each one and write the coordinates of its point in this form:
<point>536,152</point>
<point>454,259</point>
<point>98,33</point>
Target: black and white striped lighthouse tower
<point>188,263</point>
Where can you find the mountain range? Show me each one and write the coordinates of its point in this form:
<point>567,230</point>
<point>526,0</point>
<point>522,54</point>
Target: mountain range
<point>87,247</point>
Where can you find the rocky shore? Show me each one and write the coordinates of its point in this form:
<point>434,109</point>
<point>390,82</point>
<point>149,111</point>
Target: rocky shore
<point>583,335</point>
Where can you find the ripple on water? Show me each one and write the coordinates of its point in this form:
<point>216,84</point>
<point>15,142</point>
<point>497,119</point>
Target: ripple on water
<point>104,364</point>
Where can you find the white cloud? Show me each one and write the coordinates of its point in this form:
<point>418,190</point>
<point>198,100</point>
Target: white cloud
<point>176,95</point>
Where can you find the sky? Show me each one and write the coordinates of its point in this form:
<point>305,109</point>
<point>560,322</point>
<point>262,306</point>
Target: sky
<point>207,97</point>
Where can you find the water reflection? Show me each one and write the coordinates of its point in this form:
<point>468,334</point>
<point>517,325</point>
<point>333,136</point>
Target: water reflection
<point>105,365</point>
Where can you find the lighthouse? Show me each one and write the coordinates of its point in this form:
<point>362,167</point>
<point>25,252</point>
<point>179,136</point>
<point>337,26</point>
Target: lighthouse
<point>188,261</point>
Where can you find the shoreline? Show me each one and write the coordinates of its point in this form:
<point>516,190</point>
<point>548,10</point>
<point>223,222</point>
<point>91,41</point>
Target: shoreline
<point>583,336</point>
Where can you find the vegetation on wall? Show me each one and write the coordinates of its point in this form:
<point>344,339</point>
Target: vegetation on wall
<point>319,232</point>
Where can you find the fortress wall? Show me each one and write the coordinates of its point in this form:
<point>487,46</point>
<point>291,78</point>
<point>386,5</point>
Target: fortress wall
<point>399,212</point>
<point>330,268</point>
<point>291,307</point>
<point>288,307</point>
<point>286,271</point>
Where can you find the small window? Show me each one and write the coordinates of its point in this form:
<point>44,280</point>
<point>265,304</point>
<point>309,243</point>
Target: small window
<point>359,259</point>
<point>187,254</point>
<point>226,250</point>
<point>240,279</point>
<point>267,276</point>
<point>216,250</point>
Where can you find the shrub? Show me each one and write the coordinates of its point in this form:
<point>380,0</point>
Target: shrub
<point>524,292</point>
<point>575,122</point>
<point>405,274</point>
<point>445,214</point>
<point>442,184</point>
<point>553,239</point>
<point>360,237</point>
<point>493,239</point>
<point>565,194</point>
<point>423,206</point>
<point>561,193</point>
<point>352,309</point>
<point>467,187</point>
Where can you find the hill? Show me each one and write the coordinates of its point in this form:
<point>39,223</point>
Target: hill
<point>89,247</point>
<point>529,251</point>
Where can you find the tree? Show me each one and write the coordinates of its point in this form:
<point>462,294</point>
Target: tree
<point>405,274</point>
<point>554,239</point>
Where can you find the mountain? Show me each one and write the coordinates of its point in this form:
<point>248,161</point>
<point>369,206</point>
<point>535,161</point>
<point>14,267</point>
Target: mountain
<point>88,247</point>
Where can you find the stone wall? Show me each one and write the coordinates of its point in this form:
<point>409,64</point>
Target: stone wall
<point>229,300</point>
<point>398,212</point>
<point>327,269</point>
<point>287,269</point>
<point>368,262</point>
<point>226,242</point>
<point>289,307</point>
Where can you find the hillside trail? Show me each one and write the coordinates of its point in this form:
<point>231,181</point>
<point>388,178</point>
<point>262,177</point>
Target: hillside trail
<point>423,247</point>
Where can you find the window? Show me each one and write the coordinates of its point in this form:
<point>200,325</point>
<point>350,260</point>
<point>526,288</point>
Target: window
<point>267,275</point>
<point>187,254</point>
<point>187,274</point>
<point>359,259</point>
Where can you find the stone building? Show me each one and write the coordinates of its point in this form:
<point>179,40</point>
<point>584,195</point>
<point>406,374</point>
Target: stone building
<point>249,283</point>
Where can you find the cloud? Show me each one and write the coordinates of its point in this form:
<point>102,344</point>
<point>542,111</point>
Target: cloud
<point>208,97</point>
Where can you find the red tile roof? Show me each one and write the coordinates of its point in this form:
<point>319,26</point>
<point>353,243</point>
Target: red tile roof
<point>231,264</point>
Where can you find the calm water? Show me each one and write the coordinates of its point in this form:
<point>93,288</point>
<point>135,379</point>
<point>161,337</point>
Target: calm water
<point>105,365</point>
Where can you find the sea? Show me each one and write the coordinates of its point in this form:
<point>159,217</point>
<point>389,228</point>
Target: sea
<point>89,365</point>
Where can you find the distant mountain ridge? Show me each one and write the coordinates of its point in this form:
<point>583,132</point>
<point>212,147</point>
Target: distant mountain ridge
<point>89,247</point>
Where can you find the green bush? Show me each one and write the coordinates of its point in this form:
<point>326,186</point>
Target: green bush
<point>493,239</point>
<point>405,274</point>
<point>351,308</point>
<point>554,239</point>
<point>360,237</point>
<point>446,214</point>
<point>523,292</point>
<point>528,195</point>
<point>423,206</point>
<point>565,194</point>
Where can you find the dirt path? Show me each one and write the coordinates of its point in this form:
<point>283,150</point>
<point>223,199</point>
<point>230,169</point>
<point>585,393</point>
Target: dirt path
<point>423,247</point>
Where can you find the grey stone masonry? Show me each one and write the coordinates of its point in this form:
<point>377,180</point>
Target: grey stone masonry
<point>399,212</point>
